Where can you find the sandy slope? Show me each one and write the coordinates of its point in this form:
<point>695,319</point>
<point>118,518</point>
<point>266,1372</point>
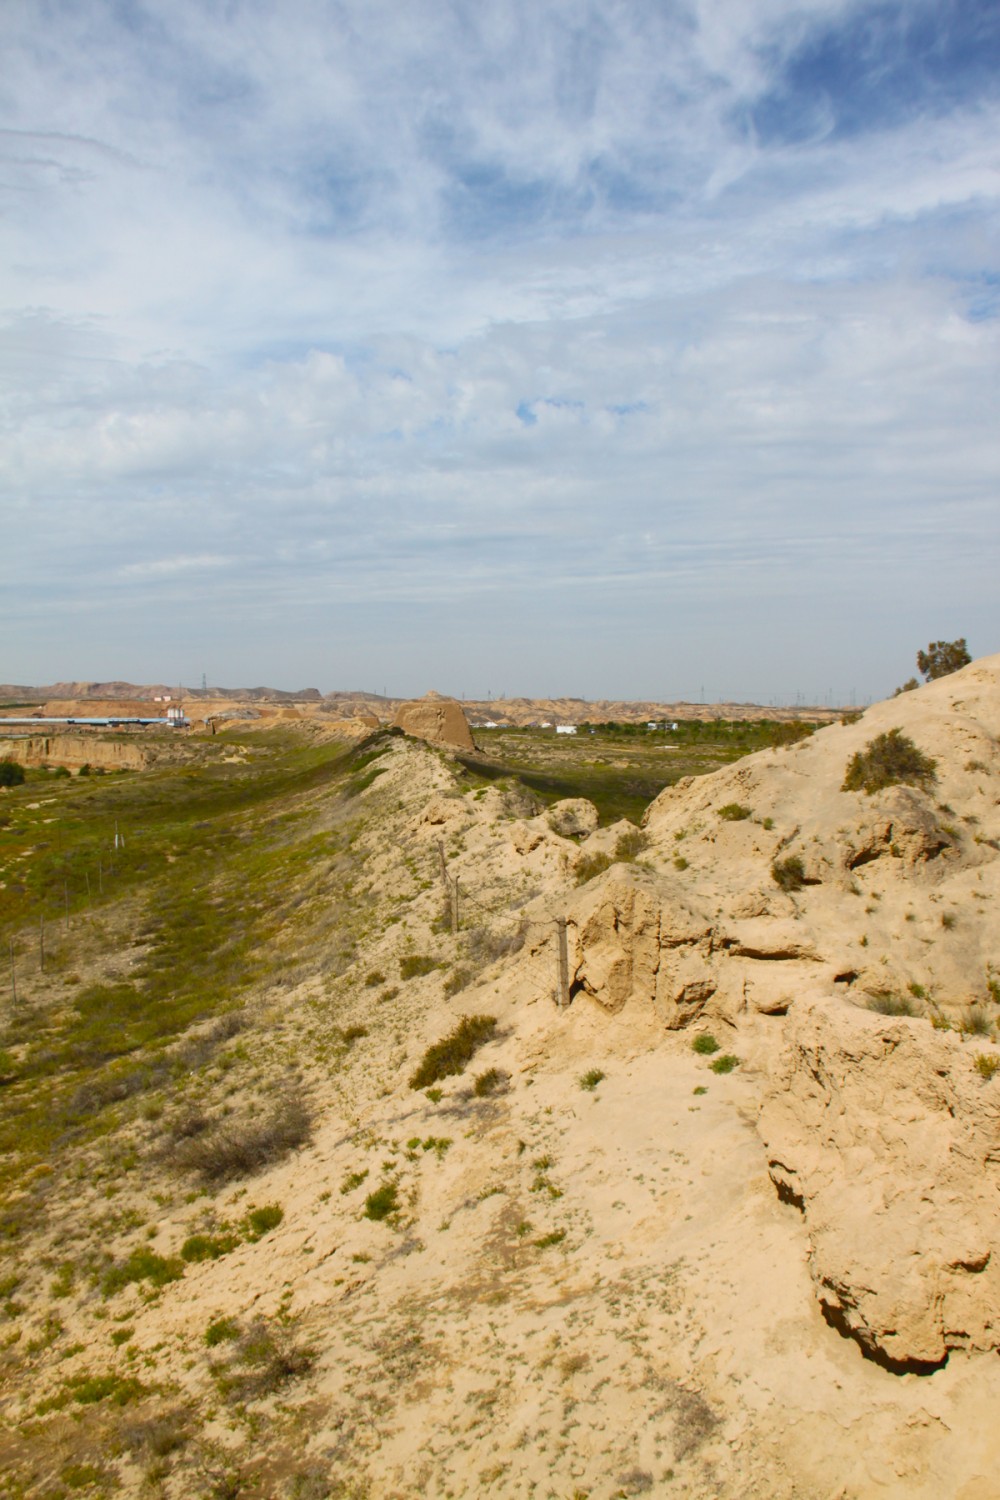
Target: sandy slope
<point>585,1292</point>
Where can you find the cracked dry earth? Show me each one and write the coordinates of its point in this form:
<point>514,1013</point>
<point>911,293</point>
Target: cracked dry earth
<point>588,1286</point>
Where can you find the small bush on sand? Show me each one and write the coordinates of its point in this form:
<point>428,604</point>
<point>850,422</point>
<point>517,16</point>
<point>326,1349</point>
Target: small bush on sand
<point>892,1005</point>
<point>454,1051</point>
<point>264,1359</point>
<point>487,1083</point>
<point>591,1079</point>
<point>415,965</point>
<point>630,844</point>
<point>238,1148</point>
<point>735,812</point>
<point>591,865</point>
<point>382,1202</point>
<point>888,760</point>
<point>987,1064</point>
<point>724,1064</point>
<point>704,1045</point>
<point>789,873</point>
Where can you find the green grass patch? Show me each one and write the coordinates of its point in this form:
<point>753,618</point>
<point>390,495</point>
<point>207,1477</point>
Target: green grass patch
<point>724,1064</point>
<point>142,1264</point>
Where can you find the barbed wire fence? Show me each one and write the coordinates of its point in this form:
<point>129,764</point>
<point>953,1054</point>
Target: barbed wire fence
<point>548,966</point>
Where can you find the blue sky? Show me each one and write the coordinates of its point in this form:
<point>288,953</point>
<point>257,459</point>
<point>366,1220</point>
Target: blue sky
<point>615,349</point>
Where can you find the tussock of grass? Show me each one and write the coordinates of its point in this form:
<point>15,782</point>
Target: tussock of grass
<point>892,1005</point>
<point>455,1051</point>
<point>735,812</point>
<point>704,1044</point>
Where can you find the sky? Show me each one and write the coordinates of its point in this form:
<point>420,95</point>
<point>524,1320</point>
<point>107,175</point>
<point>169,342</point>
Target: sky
<point>610,348</point>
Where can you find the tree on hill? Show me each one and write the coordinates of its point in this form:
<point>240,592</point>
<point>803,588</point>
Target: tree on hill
<point>941,658</point>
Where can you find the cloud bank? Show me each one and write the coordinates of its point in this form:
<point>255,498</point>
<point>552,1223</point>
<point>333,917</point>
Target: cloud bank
<point>615,349</point>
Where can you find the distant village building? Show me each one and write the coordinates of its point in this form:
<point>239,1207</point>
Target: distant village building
<point>565,729</point>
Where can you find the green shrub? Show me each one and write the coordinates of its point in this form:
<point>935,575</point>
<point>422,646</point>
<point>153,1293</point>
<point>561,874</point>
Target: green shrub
<point>724,1064</point>
<point>374,978</point>
<point>454,1051</point>
<point>382,1202</point>
<point>554,1237</point>
<point>260,1221</point>
<point>735,812</point>
<point>591,1079</point>
<point>789,873</point>
<point>415,965</point>
<point>199,1247</point>
<point>11,774</point>
<point>942,658</point>
<point>987,1064</point>
<point>888,760</point>
<point>790,732</point>
<point>353,1180</point>
<point>704,1045</point>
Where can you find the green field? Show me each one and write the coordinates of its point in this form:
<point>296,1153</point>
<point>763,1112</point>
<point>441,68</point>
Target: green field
<point>620,768</point>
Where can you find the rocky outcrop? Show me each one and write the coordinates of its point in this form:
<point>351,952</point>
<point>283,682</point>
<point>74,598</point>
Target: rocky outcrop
<point>76,750</point>
<point>439,721</point>
<point>573,817</point>
<point>886,1137</point>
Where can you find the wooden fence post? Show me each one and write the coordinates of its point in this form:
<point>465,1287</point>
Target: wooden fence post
<point>563,962</point>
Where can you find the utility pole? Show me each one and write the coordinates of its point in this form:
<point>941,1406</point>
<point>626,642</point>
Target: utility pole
<point>454,907</point>
<point>563,957</point>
